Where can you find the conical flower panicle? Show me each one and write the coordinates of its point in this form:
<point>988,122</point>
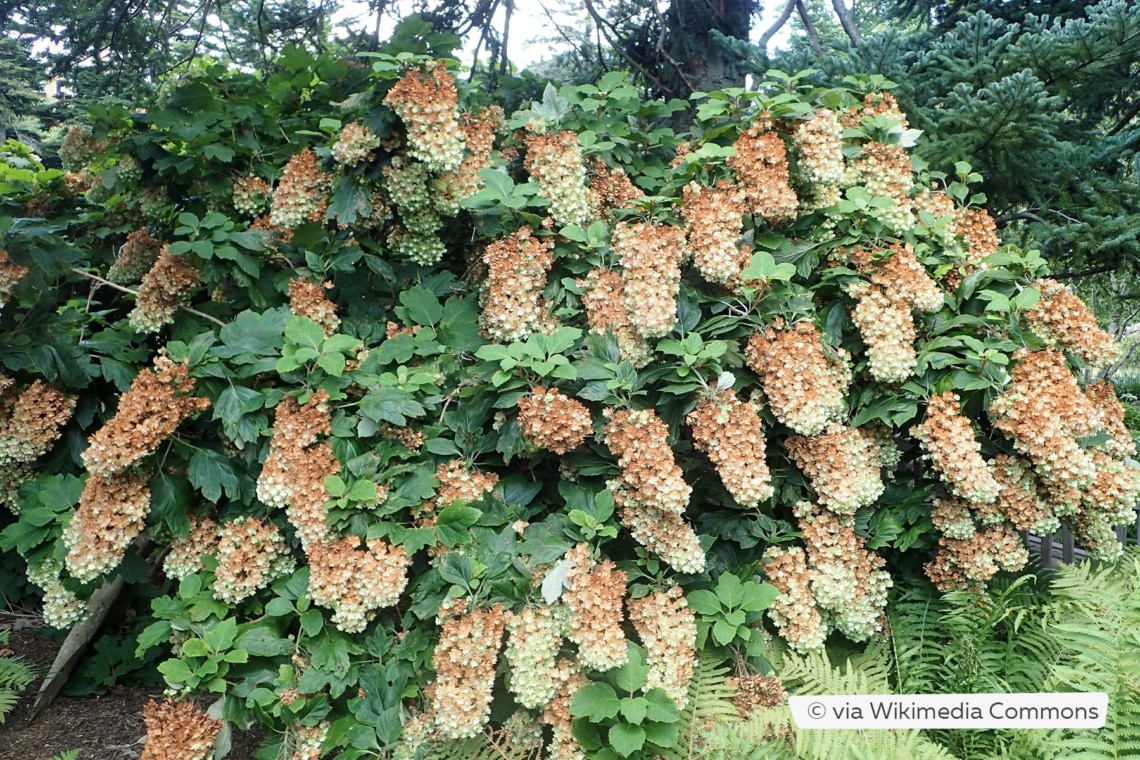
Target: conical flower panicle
<point>178,731</point>
<point>841,465</point>
<point>1063,320</point>
<point>354,144</point>
<point>886,172</point>
<point>1110,501</point>
<point>650,256</point>
<point>594,597</point>
<point>649,474</point>
<point>971,563</point>
<point>668,627</point>
<point>903,278</point>
<point>563,745</point>
<point>251,554</point>
<point>33,423</point>
<point>948,439</point>
<point>428,104</point>
<point>300,195</point>
<point>61,607</point>
<point>1020,500</point>
<point>1102,395</point>
<point>307,299</point>
<point>185,555</point>
<point>887,328</point>
<point>356,581</point>
<point>479,136</point>
<point>806,389</point>
<point>760,165</point>
<point>156,404</point>
<point>847,580</point>
<point>731,434</point>
<point>162,291</point>
<point>464,663</point>
<point>610,190</point>
<point>251,195</point>
<point>514,307</point>
<point>794,611</point>
<point>953,518</point>
<point>136,257</point>
<point>1044,411</point>
<point>111,514</point>
<point>714,220</point>
<point>554,421</point>
<point>819,143</point>
<point>606,311</point>
<point>554,161</point>
<point>533,641</point>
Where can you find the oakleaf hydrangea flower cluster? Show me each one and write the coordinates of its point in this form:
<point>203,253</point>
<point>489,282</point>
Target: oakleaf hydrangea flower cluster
<point>178,731</point>
<point>464,663</point>
<point>427,103</point>
<point>794,612</point>
<point>31,421</point>
<point>848,582</point>
<point>149,413</point>
<point>251,554</point>
<point>594,597</point>
<point>554,421</point>
<point>307,299</point>
<point>354,144</point>
<point>948,440</point>
<point>300,195</point>
<point>714,220</point>
<point>651,490</point>
<point>112,512</point>
<point>61,607</point>
<point>883,312</point>
<point>668,628</point>
<point>554,162</point>
<point>605,304</point>
<point>162,291</point>
<point>185,555</point>
<point>819,142</point>
<point>805,387</point>
<point>731,433</point>
<point>610,189</point>
<point>761,167</point>
<point>841,465</point>
<point>355,582</point>
<point>650,257</point>
<point>972,562</point>
<point>533,640</point>
<point>513,305</point>
<point>1063,320</point>
<point>251,195</point>
<point>649,473</point>
<point>136,257</point>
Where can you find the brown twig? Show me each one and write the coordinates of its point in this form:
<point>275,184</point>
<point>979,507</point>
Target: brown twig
<point>783,19</point>
<point>135,293</point>
<point>601,22</point>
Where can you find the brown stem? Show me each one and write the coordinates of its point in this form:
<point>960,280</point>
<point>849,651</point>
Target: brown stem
<point>809,27</point>
<point>847,22</point>
<point>783,19</point>
<point>135,293</point>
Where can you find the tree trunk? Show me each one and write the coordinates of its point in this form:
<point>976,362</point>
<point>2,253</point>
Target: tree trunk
<point>693,60</point>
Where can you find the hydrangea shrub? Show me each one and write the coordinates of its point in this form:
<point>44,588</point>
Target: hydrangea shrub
<point>432,416</point>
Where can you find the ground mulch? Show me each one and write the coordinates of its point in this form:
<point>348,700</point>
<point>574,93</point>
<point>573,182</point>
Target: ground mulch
<point>107,727</point>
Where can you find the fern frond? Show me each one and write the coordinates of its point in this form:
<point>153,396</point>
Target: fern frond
<point>762,736</point>
<point>16,674</point>
<point>506,743</point>
<point>710,703</point>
